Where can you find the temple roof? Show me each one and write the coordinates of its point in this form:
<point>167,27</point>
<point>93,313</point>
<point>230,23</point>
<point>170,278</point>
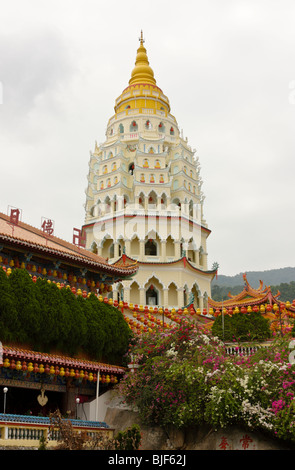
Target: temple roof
<point>17,353</point>
<point>248,296</point>
<point>24,237</point>
<point>182,262</point>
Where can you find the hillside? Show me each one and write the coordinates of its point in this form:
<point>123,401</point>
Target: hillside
<point>271,277</point>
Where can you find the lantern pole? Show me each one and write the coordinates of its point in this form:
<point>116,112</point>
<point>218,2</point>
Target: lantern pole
<point>5,390</point>
<point>97,395</point>
<point>222,320</point>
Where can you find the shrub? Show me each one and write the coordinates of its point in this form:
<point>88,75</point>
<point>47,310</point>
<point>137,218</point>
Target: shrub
<point>242,327</point>
<point>185,378</point>
<point>48,318</point>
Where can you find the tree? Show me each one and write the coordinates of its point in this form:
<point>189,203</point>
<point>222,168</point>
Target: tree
<point>27,306</point>
<point>76,336</point>
<point>55,326</point>
<point>117,332</point>
<point>9,322</point>
<point>242,327</point>
<point>95,335</point>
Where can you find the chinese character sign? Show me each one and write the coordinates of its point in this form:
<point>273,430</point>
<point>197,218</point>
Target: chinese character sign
<point>78,239</point>
<point>47,226</point>
<point>14,216</point>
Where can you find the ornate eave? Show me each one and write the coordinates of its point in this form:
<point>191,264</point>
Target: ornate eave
<point>247,297</point>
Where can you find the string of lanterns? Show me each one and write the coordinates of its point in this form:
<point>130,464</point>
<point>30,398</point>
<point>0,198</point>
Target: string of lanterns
<point>27,368</point>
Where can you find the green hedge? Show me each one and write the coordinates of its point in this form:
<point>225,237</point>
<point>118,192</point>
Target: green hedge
<point>48,318</point>
<point>242,327</point>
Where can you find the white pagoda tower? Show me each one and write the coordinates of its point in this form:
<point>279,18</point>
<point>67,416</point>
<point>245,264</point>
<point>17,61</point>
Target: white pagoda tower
<point>144,200</point>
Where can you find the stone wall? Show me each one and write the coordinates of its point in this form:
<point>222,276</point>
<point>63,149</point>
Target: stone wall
<point>120,417</point>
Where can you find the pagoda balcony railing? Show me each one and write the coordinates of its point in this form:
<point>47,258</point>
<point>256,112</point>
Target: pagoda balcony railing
<point>26,431</point>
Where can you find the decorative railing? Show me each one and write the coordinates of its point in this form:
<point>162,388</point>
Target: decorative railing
<point>26,431</point>
<point>247,350</point>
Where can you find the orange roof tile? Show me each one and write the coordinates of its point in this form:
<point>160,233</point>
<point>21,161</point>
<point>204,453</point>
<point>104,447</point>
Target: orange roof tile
<point>26,235</point>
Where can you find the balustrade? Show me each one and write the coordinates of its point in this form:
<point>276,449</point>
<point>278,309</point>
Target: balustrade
<point>27,431</point>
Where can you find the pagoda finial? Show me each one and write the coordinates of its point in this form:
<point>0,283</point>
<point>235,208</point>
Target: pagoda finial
<point>141,38</point>
<point>142,72</point>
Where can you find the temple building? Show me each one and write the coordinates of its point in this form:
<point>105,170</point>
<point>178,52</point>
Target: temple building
<point>144,200</point>
<point>39,381</point>
<point>42,254</point>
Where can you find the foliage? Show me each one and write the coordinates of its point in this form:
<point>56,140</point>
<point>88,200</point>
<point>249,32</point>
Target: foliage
<point>242,327</point>
<point>48,318</point>
<point>69,439</point>
<point>185,378</point>
<point>129,439</point>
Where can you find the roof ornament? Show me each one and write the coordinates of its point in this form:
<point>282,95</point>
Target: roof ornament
<point>142,41</point>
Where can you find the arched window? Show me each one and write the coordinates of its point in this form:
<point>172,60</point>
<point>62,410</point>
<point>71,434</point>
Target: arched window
<point>171,131</point>
<point>148,124</point>
<point>121,128</point>
<point>152,297</point>
<point>175,184</point>
<point>157,164</point>
<point>161,127</point>
<point>150,248</point>
<point>131,168</point>
<point>133,126</point>
<point>145,163</point>
<point>114,166</point>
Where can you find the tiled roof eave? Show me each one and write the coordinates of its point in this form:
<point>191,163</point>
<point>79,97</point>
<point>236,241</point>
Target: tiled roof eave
<point>237,302</point>
<point>59,360</point>
<point>127,270</point>
<point>164,263</point>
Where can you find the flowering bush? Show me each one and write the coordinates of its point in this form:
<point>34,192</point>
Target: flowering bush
<point>186,378</point>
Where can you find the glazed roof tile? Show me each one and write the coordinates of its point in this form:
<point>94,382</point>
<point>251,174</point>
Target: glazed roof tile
<point>25,235</point>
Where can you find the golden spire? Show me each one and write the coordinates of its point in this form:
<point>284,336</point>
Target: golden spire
<point>142,72</point>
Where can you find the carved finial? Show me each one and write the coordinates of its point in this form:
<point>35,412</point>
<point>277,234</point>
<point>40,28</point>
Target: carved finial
<point>141,38</point>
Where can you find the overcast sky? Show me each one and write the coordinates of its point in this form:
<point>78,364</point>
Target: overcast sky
<point>228,69</point>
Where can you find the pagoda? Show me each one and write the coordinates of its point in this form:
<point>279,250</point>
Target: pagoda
<point>144,200</point>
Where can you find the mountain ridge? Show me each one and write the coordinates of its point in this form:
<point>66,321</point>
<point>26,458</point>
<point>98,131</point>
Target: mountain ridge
<point>269,277</point>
